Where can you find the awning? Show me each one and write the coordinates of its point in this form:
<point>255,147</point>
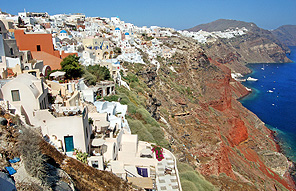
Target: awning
<point>98,142</point>
<point>142,182</point>
<point>57,74</point>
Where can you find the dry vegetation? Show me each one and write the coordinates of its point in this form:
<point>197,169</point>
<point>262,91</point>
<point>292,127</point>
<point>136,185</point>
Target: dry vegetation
<point>84,177</point>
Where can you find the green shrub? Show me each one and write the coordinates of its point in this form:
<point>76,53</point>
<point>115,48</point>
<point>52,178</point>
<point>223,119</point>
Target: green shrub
<point>147,116</point>
<point>100,72</point>
<point>90,121</point>
<point>188,185</point>
<point>183,167</point>
<point>188,91</point>
<point>192,180</point>
<point>132,109</point>
<point>81,156</point>
<point>89,78</point>
<point>131,78</point>
<point>138,128</point>
<point>140,120</point>
<point>111,98</point>
<point>124,100</point>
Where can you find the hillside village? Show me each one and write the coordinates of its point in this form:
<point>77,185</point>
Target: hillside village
<point>73,106</point>
<point>71,115</point>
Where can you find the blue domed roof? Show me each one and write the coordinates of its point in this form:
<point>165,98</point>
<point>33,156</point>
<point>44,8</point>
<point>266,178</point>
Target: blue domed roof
<point>117,29</point>
<point>126,33</point>
<point>63,31</point>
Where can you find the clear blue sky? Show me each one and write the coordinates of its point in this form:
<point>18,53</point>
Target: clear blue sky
<point>179,14</point>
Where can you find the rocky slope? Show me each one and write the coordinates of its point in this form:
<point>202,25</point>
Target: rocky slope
<point>207,127</point>
<point>256,46</point>
<point>286,34</point>
<point>222,25</point>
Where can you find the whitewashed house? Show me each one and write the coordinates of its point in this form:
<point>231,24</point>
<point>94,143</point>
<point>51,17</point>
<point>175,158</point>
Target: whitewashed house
<point>66,132</point>
<point>25,94</point>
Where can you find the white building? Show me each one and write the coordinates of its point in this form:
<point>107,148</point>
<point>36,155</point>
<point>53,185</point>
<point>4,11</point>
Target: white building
<point>63,34</point>
<point>117,34</point>
<point>66,132</point>
<point>87,58</point>
<point>25,94</point>
<point>28,97</point>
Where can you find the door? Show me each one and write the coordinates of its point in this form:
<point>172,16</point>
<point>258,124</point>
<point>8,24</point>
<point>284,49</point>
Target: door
<point>69,144</point>
<point>143,172</point>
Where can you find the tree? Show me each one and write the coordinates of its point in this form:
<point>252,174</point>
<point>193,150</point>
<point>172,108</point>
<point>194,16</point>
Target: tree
<point>117,51</point>
<point>72,67</point>
<point>89,78</point>
<point>101,72</point>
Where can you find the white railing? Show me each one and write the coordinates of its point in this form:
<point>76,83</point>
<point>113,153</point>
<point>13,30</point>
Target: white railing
<point>176,168</point>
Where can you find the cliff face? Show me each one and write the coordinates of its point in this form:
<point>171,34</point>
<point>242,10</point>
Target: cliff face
<point>208,127</point>
<point>286,34</point>
<point>237,52</point>
<point>256,46</point>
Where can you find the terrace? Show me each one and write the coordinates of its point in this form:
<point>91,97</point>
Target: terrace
<point>167,173</point>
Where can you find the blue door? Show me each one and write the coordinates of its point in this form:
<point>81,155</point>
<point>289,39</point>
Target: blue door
<point>69,144</point>
<point>143,172</point>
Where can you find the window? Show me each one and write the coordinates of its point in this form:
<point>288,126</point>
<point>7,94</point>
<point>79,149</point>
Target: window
<point>95,164</point>
<point>33,73</point>
<point>15,95</point>
<point>11,51</point>
<point>38,48</point>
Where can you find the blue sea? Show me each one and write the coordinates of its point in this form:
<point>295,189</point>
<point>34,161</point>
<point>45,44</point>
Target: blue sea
<point>273,99</point>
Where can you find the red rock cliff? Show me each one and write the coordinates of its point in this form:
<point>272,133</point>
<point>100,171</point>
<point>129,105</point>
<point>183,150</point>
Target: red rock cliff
<point>217,135</point>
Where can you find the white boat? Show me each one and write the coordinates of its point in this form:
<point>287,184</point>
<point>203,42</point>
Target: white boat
<point>248,89</point>
<point>269,91</point>
<point>252,79</point>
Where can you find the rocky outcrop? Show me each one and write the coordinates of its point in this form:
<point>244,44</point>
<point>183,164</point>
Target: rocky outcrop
<point>224,24</point>
<point>238,132</point>
<point>286,34</point>
<point>149,75</point>
<point>252,28</point>
<point>236,53</point>
<point>256,46</point>
<point>152,107</point>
